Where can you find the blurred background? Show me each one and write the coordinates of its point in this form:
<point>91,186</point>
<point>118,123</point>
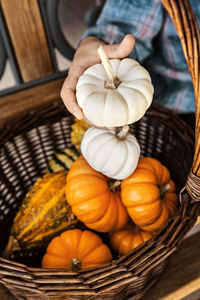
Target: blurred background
<point>64,22</point>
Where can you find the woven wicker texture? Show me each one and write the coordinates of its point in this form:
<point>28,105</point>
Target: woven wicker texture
<point>28,143</point>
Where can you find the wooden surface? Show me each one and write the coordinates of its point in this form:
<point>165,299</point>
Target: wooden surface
<point>182,276</point>
<point>17,103</point>
<point>27,34</point>
<point>180,280</point>
<point>5,294</point>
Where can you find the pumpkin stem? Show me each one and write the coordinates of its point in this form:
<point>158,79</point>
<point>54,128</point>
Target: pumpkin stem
<point>113,81</point>
<point>164,189</point>
<point>123,132</point>
<point>12,246</point>
<point>75,264</point>
<point>113,185</point>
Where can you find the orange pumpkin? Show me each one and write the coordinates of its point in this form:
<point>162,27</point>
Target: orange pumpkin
<point>91,199</point>
<point>76,249</point>
<point>149,195</point>
<point>128,238</point>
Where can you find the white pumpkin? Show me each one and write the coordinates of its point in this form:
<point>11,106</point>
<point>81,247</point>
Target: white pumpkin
<point>112,154</point>
<point>108,102</point>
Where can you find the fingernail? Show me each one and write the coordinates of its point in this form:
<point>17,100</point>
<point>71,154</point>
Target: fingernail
<point>78,115</point>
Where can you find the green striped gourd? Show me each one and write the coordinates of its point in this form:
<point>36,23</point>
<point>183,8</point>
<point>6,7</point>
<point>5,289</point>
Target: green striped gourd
<point>43,213</point>
<point>62,160</point>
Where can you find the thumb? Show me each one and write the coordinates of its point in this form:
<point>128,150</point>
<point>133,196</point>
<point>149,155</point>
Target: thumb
<point>122,49</point>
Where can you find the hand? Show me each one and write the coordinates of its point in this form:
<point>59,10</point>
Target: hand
<point>86,56</point>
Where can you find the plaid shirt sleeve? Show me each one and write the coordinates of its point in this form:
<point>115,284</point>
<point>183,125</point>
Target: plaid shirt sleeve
<point>141,18</point>
<point>157,46</point>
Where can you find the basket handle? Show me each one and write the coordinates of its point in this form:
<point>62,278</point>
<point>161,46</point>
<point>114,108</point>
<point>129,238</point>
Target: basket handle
<point>186,25</point>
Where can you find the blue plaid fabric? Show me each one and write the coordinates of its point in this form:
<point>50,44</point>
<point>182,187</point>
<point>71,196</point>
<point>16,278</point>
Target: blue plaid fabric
<point>157,46</point>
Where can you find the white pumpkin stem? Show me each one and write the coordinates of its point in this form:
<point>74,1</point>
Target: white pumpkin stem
<point>112,78</point>
<point>113,185</point>
<point>123,132</point>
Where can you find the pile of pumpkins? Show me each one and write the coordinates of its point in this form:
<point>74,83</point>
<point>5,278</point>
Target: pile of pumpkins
<point>101,181</point>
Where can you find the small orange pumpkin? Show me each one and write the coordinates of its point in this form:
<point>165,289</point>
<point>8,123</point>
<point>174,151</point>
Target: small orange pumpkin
<point>149,195</point>
<point>128,238</point>
<point>91,199</point>
<point>76,249</point>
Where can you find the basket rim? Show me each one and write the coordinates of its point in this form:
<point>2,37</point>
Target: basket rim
<point>38,117</point>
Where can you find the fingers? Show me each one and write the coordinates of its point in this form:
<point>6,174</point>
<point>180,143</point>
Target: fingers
<point>121,50</point>
<point>69,98</point>
<point>84,58</point>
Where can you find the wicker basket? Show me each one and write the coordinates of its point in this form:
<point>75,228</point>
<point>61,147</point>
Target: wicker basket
<point>25,152</point>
